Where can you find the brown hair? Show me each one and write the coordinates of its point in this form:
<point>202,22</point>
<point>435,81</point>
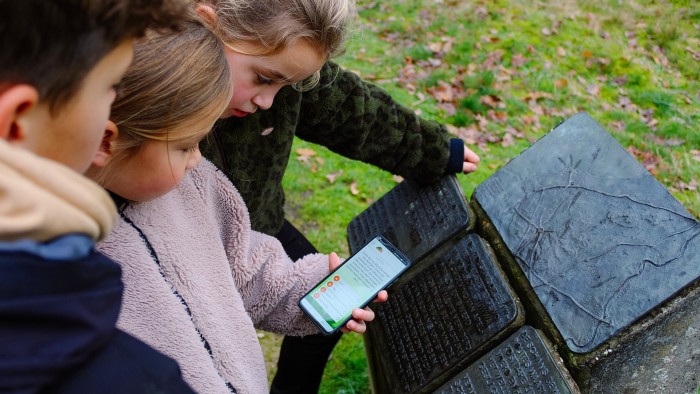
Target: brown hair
<point>272,25</point>
<point>54,44</point>
<point>174,78</point>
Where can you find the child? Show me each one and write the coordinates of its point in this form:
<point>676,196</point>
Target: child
<point>267,43</point>
<point>59,299</point>
<point>198,281</point>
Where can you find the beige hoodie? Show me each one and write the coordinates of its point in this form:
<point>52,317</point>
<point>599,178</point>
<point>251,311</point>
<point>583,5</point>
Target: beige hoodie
<point>41,199</point>
<point>196,276</point>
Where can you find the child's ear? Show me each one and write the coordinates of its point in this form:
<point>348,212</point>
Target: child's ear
<point>15,102</point>
<point>207,14</point>
<point>109,140</point>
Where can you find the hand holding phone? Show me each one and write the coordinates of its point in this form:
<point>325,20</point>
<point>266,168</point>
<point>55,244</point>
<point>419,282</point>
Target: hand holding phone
<point>360,317</point>
<point>354,285</point>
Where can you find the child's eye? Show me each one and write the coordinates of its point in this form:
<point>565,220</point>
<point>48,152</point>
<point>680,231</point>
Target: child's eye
<point>263,80</point>
<point>191,149</point>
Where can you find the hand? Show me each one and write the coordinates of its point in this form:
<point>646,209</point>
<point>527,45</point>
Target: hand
<point>471,161</point>
<point>360,317</point>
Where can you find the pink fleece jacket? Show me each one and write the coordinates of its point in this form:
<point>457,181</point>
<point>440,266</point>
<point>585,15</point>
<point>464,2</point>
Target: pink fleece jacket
<point>199,281</point>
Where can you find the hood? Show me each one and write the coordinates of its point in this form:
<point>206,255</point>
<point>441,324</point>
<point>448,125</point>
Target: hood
<point>54,313</point>
<point>41,199</point>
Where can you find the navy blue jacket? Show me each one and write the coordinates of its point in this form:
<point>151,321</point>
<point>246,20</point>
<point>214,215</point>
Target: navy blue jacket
<point>59,303</point>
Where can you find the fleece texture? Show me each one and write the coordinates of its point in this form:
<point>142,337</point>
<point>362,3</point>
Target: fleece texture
<point>199,281</point>
<point>41,199</point>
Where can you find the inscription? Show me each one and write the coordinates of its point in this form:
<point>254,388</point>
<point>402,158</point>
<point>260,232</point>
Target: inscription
<point>520,364</point>
<point>419,217</point>
<point>439,317</point>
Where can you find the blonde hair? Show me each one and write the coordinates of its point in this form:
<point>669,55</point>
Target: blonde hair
<point>272,25</point>
<point>174,78</point>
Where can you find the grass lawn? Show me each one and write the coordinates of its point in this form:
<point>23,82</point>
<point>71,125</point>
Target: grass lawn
<point>501,74</point>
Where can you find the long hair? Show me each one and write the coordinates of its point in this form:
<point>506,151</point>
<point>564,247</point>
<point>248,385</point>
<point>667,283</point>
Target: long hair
<point>174,79</point>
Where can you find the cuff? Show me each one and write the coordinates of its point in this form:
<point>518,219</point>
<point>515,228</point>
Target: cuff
<point>456,160</point>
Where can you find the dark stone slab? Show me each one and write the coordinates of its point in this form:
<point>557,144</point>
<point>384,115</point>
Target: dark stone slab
<point>452,311</point>
<point>594,235</point>
<point>415,218</point>
<point>524,363</point>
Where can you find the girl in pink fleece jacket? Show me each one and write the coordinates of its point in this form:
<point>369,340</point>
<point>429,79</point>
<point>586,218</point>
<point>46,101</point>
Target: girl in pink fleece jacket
<point>198,281</point>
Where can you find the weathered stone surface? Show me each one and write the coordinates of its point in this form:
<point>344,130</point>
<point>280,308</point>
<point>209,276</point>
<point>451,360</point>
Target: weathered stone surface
<point>660,354</point>
<point>597,238</point>
<point>415,218</point>
<point>453,310</point>
<point>523,363</point>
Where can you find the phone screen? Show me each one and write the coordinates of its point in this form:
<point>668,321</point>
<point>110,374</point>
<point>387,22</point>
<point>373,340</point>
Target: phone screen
<point>354,284</point>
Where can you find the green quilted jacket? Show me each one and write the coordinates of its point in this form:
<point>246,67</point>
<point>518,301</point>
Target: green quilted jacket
<point>343,113</point>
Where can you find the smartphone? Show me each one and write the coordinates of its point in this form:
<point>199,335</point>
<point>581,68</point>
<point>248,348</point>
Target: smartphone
<point>354,284</point>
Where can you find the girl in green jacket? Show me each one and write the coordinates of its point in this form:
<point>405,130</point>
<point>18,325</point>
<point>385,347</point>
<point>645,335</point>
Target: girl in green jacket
<point>285,86</point>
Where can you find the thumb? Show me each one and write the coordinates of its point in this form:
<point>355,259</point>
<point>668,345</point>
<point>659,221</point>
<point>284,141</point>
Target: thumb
<point>333,261</point>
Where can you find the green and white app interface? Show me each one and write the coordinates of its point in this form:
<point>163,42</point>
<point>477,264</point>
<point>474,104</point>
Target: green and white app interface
<point>358,279</point>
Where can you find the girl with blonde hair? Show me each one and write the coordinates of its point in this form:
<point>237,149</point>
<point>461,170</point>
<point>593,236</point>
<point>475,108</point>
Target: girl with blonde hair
<point>198,281</point>
<point>285,86</point>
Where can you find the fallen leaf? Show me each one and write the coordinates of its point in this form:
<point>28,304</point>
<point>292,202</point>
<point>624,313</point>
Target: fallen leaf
<point>306,152</point>
<point>435,47</point>
<point>490,100</point>
<point>621,80</point>
<point>694,53</point>
<point>353,188</point>
<point>649,160</point>
<point>692,186</point>
<point>664,141</point>
<point>561,83</point>
<point>593,90</point>
<point>508,140</point>
<point>332,176</point>
<point>696,154</point>
<point>518,60</point>
<point>534,96</point>
<point>618,125</point>
<point>492,59</point>
<point>443,93</point>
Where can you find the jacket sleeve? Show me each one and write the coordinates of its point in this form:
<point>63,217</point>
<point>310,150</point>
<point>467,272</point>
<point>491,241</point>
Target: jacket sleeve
<point>361,121</point>
<point>276,284</point>
<point>269,282</point>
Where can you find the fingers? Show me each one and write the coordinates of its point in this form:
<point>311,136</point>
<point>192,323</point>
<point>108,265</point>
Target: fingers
<point>358,323</point>
<point>355,326</point>
<point>382,296</point>
<point>333,261</point>
<point>364,315</point>
<point>471,161</point>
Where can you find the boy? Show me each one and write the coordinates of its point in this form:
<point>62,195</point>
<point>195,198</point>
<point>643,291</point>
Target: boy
<point>60,61</point>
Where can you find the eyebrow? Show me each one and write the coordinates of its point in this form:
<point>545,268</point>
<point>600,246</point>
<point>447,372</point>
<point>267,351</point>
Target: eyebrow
<point>275,75</point>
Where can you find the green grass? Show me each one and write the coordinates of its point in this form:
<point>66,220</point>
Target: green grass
<point>628,64</point>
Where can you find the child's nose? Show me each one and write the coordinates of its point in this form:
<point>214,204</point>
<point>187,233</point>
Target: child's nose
<point>264,100</point>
